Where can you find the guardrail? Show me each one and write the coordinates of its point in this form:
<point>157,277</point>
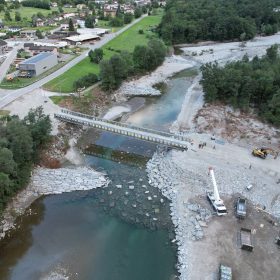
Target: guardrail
<point>139,128</point>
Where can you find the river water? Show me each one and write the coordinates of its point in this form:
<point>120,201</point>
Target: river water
<point>123,232</point>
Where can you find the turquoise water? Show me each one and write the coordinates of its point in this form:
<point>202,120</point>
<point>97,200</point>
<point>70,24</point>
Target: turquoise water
<point>106,234</point>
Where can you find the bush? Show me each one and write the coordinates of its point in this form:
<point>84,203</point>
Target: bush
<point>117,21</point>
<point>96,55</point>
<point>85,81</point>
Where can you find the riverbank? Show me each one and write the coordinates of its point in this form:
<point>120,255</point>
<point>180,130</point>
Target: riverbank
<point>50,181</point>
<point>145,86</point>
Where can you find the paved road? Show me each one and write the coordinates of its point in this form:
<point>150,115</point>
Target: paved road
<point>14,94</point>
<point>6,64</point>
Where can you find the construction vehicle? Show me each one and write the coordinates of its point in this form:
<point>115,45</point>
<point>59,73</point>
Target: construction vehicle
<point>263,152</point>
<point>225,273</point>
<point>214,197</point>
<point>246,239</point>
<point>241,208</point>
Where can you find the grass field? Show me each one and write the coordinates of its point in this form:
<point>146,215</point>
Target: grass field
<point>24,82</point>
<point>125,41</point>
<point>27,12</point>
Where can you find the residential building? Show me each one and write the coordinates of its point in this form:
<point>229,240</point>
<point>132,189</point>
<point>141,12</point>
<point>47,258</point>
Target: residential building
<point>28,33</point>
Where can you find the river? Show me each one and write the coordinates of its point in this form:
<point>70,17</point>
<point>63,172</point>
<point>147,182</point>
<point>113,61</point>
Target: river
<point>123,232</point>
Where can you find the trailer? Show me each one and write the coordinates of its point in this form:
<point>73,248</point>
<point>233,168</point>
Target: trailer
<point>246,239</point>
<point>241,208</point>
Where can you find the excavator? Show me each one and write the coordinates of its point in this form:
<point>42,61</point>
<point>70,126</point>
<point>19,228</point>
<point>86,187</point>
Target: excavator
<point>263,152</point>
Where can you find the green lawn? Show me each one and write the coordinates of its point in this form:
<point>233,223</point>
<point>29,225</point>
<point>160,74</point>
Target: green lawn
<point>24,82</point>
<point>27,12</point>
<point>125,41</point>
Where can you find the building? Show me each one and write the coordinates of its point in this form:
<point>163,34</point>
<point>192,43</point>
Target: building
<point>28,33</point>
<point>36,49</point>
<point>38,64</point>
<point>81,39</point>
<point>96,31</point>
<point>3,46</point>
<point>14,29</point>
<point>39,22</point>
<point>81,6</point>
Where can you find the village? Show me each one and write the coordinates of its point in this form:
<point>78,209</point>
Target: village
<point>58,37</point>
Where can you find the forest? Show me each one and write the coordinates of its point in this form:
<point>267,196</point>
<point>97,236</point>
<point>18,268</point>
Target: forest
<point>20,144</point>
<point>187,21</point>
<point>247,84</point>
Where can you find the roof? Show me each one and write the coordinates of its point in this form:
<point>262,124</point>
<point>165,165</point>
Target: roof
<point>83,37</point>
<point>36,58</point>
<point>3,43</point>
<point>42,48</point>
<point>28,31</point>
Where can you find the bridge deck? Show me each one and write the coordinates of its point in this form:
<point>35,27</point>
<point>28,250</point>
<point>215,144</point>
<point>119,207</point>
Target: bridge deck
<point>124,129</point>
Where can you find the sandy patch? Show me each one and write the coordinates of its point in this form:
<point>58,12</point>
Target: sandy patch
<point>116,112</point>
<point>34,99</point>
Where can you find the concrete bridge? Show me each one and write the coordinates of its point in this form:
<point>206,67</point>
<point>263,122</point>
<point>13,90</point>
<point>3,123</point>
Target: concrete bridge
<point>141,133</point>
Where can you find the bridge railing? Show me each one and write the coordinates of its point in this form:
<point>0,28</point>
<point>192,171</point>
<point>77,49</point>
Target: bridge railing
<point>129,126</point>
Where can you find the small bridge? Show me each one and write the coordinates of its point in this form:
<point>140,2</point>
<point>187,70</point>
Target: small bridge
<point>141,133</point>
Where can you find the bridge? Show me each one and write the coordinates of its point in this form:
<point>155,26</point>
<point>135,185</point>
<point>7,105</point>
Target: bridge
<point>146,134</point>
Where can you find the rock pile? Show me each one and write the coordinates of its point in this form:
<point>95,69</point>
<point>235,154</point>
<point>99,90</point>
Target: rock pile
<point>55,181</point>
<point>133,89</point>
<point>199,220</point>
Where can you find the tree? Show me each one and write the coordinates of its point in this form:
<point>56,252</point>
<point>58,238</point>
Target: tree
<point>71,25</point>
<point>7,16</point>
<point>39,125</point>
<point>89,21</point>
<point>272,52</point>
<point>20,141</point>
<point>96,56</point>
<point>7,163</point>
<point>85,81</point>
<point>117,21</point>
<point>39,34</point>
<point>147,58</point>
<point>2,8</point>
<point>138,12</point>
<point>60,9</point>
<point>107,75</point>
<point>17,16</point>
<point>128,17</point>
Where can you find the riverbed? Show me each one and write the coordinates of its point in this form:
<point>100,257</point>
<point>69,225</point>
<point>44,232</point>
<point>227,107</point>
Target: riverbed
<point>121,232</point>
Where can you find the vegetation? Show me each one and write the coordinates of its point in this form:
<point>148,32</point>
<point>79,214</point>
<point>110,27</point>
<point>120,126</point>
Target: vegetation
<point>247,84</point>
<point>41,4</point>
<point>71,25</point>
<point>193,20</point>
<point>86,81</point>
<point>124,42</point>
<point>20,143</point>
<point>96,55</point>
<point>120,66</point>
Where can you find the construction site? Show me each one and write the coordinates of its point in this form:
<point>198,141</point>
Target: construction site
<point>227,215</point>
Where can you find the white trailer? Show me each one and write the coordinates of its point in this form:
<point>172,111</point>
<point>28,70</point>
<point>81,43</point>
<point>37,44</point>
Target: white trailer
<point>214,197</point>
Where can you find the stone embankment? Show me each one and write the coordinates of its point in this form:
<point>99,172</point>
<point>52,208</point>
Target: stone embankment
<point>159,177</point>
<point>50,181</point>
